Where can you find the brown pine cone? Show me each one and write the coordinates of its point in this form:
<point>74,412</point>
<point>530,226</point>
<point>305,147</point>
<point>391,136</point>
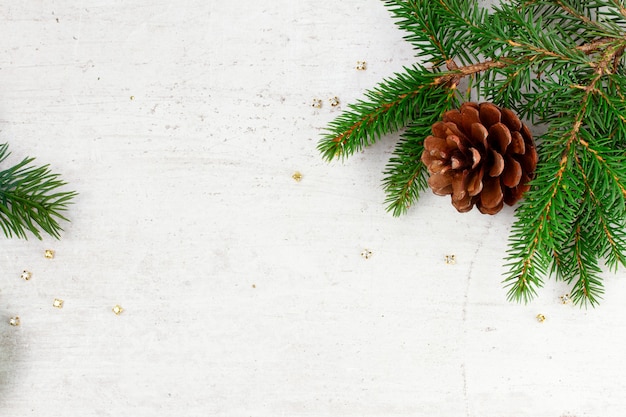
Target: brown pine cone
<point>481,154</point>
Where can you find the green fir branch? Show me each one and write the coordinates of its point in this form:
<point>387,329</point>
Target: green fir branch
<point>588,284</point>
<point>405,176</point>
<point>426,32</point>
<point>30,199</point>
<point>560,63</point>
<point>388,108</point>
<point>606,213</point>
<point>552,199</point>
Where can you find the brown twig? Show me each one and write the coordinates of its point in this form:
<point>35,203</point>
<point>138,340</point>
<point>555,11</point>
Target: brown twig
<point>594,46</point>
<point>464,71</point>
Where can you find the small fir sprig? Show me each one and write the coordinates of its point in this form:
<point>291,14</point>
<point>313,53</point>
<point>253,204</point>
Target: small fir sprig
<point>558,63</point>
<point>30,199</point>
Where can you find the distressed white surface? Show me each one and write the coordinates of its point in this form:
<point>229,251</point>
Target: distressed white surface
<point>245,292</point>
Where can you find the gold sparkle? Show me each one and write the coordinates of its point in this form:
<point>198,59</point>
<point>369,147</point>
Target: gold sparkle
<point>57,303</point>
<point>297,176</point>
<point>117,309</point>
<point>26,275</point>
<point>541,318</point>
<point>49,254</point>
<point>14,321</point>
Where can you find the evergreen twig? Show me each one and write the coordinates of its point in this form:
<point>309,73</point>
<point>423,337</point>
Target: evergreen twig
<point>30,200</point>
<point>556,62</point>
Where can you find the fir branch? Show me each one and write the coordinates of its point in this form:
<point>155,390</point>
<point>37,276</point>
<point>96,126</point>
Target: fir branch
<point>426,32</point>
<point>613,167</point>
<point>553,211</point>
<point>620,6</point>
<point>391,106</point>
<point>557,62</point>
<point>30,200</point>
<point>544,211</point>
<point>475,34</point>
<point>405,176</point>
<point>588,286</point>
<point>548,196</point>
<point>611,213</point>
<point>579,14</point>
<point>506,86</point>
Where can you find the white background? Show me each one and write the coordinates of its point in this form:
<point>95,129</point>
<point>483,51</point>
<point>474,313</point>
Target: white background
<point>245,292</point>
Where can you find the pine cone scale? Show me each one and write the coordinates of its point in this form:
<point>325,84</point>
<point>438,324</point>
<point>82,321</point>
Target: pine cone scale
<point>453,130</point>
<point>441,183</point>
<point>529,163</point>
<point>498,164</point>
<point>511,120</point>
<point>439,130</point>
<point>501,137</point>
<point>480,155</point>
<point>491,198</point>
<point>479,133</point>
<point>475,183</point>
<point>512,173</point>
<point>489,114</point>
<point>437,146</point>
<point>457,163</point>
<point>517,143</point>
<point>470,116</point>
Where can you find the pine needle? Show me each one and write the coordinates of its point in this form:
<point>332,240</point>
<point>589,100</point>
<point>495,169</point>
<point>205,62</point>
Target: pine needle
<point>30,200</point>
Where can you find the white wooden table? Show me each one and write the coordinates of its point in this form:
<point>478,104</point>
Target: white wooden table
<point>245,293</point>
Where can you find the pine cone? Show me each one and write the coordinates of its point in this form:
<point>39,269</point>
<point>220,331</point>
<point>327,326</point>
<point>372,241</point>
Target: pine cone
<point>481,154</point>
